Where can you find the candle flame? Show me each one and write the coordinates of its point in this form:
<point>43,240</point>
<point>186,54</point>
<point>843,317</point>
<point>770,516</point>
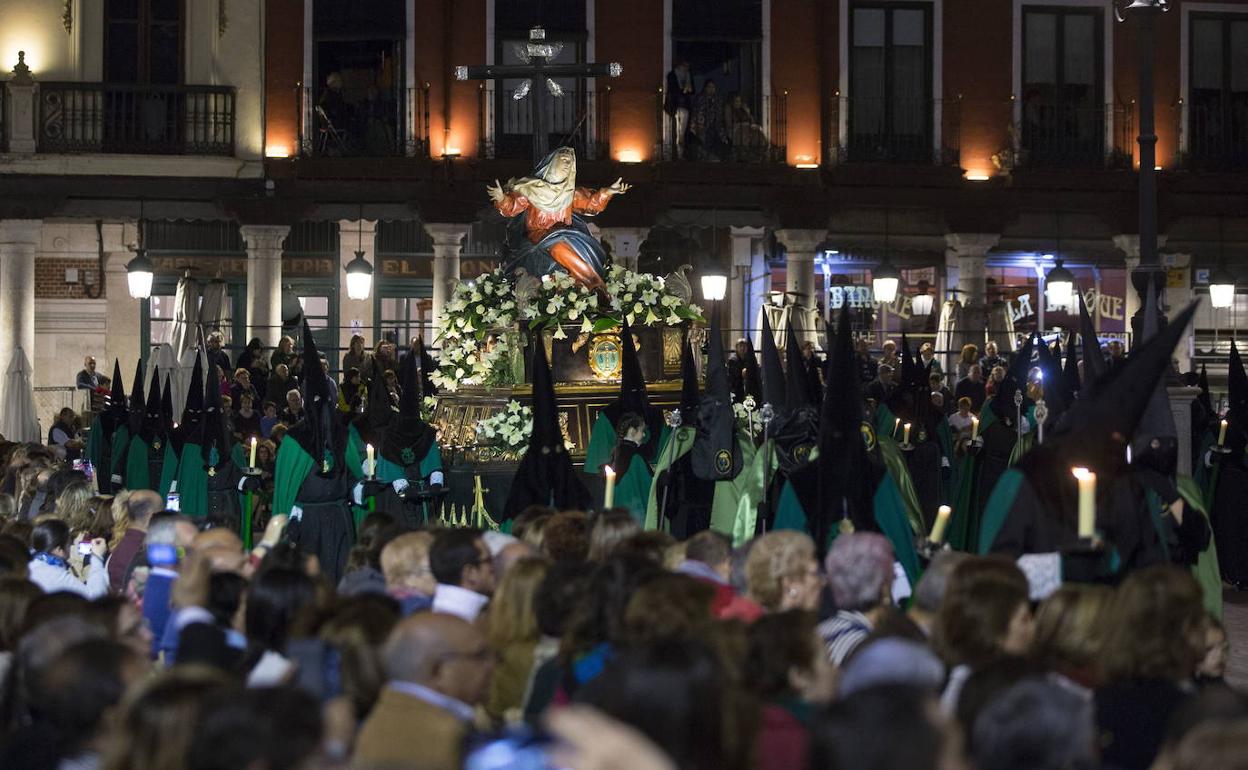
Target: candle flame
<point>1082,473</point>
<point>607,469</point>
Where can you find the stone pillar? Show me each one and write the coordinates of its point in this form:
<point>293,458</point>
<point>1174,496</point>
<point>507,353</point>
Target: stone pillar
<point>122,315</point>
<point>447,243</point>
<point>1129,244</point>
<point>354,316</point>
<point>264,281</point>
<point>19,242</point>
<point>799,269</point>
<point>1181,398</point>
<point>970,251</point>
<point>625,243</point>
<point>743,295</point>
<point>21,108</point>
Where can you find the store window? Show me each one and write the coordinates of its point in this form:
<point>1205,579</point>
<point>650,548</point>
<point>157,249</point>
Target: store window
<point>890,106</point>
<point>1063,109</point>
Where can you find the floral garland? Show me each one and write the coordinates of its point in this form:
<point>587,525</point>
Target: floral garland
<point>477,334</point>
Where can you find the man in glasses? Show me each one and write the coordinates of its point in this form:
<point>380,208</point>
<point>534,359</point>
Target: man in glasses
<point>461,564</point>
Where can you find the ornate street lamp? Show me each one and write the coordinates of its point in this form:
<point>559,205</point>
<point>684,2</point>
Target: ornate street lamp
<point>884,282</point>
<point>140,270</point>
<point>359,271</point>
<point>1059,286</point>
<point>714,284</point>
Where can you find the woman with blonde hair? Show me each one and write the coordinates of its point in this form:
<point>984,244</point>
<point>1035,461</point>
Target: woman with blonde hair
<point>968,358</point>
<point>1070,632</point>
<point>512,633</point>
<point>781,572</point>
<point>609,530</point>
<point>72,507</point>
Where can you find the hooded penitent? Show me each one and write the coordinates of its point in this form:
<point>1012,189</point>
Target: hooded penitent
<point>317,432</point>
<point>114,415</point>
<point>151,429</point>
<point>166,410</point>
<point>380,411</point>
<point>774,390</point>
<point>716,453</point>
<point>796,430</point>
<point>407,438</point>
<point>1038,510</point>
<point>214,441</point>
<point>633,396</point>
<point>137,414</point>
<point>679,497</point>
<point>1155,444</point>
<point>1055,399</point>
<point>1094,366</point>
<point>545,475</point>
<point>1070,372</point>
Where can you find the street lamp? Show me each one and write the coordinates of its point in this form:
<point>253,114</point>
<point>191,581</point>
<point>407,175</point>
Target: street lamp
<point>1059,286</point>
<point>359,271</point>
<point>1221,288</point>
<point>139,275</point>
<point>714,284</point>
<point>884,282</point>
<point>921,304</point>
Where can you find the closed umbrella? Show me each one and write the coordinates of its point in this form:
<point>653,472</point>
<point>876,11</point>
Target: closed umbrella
<point>18,421</point>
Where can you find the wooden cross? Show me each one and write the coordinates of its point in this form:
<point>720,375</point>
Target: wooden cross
<point>538,72</point>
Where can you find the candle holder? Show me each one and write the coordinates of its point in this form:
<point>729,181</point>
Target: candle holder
<point>252,472</point>
<point>1221,449</point>
<point>1083,561</point>
<point>906,446</point>
<point>927,549</point>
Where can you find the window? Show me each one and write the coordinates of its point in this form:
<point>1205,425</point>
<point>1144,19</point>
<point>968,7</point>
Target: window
<point>1218,92</point>
<point>890,85</point>
<point>162,311</point>
<point>143,41</point>
<point>409,317</point>
<point>359,103</point>
<point>1063,110</point>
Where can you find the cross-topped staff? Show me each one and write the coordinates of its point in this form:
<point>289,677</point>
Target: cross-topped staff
<point>537,54</point>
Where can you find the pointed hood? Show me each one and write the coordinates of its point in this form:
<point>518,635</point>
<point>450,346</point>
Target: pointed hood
<point>774,389</point>
<point>633,396</point>
<point>1205,398</point>
<point>379,411</point>
<point>1051,381</point>
<point>193,410</point>
<point>1070,373</point>
<point>1156,439</point>
<point>1236,397</point>
<point>214,445</point>
<point>716,455</point>
<point>1094,366</point>
<point>151,411</point>
<point>137,401</point>
<point>690,395</point>
<point>117,396</point>
<point>796,393</point>
<point>316,431</point>
<point>545,475</point>
<point>406,439</point>
<point>166,409</point>
<point>844,473</point>
<point>911,374</point>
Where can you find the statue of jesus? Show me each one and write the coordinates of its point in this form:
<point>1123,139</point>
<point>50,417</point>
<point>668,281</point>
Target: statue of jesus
<point>552,229</point>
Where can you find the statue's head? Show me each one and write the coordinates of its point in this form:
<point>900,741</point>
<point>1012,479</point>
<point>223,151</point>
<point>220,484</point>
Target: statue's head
<point>562,163</point>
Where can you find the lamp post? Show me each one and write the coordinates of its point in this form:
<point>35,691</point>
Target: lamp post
<point>1145,13</point>
<point>1059,286</point>
<point>884,282</point>
<point>359,271</point>
<point>139,271</point>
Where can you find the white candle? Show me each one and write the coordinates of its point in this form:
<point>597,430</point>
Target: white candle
<point>905,434</point>
<point>1222,434</point>
<point>252,462</point>
<point>896,423</point>
<point>1087,501</point>
<point>974,428</point>
<point>942,521</point>
<point>370,465</point>
<point>608,498</point>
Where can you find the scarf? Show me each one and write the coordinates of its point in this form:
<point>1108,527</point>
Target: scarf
<point>550,197</point>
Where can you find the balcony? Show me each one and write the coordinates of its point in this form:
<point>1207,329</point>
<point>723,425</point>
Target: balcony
<point>580,119</point>
<point>1058,136</point>
<point>383,128</point>
<point>896,131</point>
<point>1217,137</point>
<point>744,134</point>
<point>136,119</point>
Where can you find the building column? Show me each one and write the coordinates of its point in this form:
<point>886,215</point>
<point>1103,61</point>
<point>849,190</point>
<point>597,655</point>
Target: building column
<point>970,252</point>
<point>19,242</point>
<point>799,269</point>
<point>625,243</point>
<point>447,243</point>
<point>21,108</point>
<point>354,316</point>
<point>264,281</point>
<point>122,315</point>
<point>1129,244</point>
<point>744,297</point>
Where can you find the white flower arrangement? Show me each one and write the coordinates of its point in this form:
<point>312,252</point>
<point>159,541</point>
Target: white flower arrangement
<point>508,430</point>
<point>749,418</point>
<point>475,346</point>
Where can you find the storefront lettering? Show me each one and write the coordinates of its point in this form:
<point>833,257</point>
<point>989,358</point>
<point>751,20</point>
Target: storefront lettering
<point>1110,307</point>
<point>856,296</point>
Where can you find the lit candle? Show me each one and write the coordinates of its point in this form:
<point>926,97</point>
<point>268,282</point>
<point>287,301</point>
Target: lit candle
<point>608,499</point>
<point>1222,434</point>
<point>370,465</point>
<point>974,428</point>
<point>252,462</point>
<point>942,521</point>
<point>905,433</point>
<point>1087,501</point>
<point>896,423</point>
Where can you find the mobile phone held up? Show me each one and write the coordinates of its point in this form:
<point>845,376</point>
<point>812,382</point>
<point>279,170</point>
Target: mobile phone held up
<point>84,548</point>
<point>162,555</point>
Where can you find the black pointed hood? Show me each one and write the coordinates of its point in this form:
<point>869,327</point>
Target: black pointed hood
<point>1070,373</point>
<point>1237,398</point>
<point>911,375</point>
<point>690,394</point>
<point>214,444</point>
<point>545,475</point>
<point>193,410</point>
<point>1156,433</point>
<point>1051,381</point>
<point>379,411</point>
<point>774,389</point>
<point>117,396</point>
<point>716,455</point>
<point>633,396</point>
<point>137,401</point>
<point>796,393</point>
<point>1094,366</point>
<point>407,438</point>
<point>1205,398</point>
<point>166,409</point>
<point>151,410</point>
<point>316,431</point>
<point>845,482</point>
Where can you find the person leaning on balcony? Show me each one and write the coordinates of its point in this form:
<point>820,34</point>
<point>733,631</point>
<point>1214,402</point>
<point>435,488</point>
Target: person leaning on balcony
<point>678,102</point>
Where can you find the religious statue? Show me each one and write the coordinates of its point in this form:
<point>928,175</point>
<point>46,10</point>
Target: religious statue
<point>547,225</point>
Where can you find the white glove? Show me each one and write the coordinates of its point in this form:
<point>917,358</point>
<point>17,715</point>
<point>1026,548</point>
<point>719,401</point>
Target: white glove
<point>435,479</point>
<point>400,486</point>
<point>357,493</point>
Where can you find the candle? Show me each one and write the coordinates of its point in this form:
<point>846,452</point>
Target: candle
<point>1087,501</point>
<point>974,428</point>
<point>896,423</point>
<point>1222,434</point>
<point>608,499</point>
<point>942,521</point>
<point>252,462</point>
<point>905,434</point>
<point>370,466</point>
